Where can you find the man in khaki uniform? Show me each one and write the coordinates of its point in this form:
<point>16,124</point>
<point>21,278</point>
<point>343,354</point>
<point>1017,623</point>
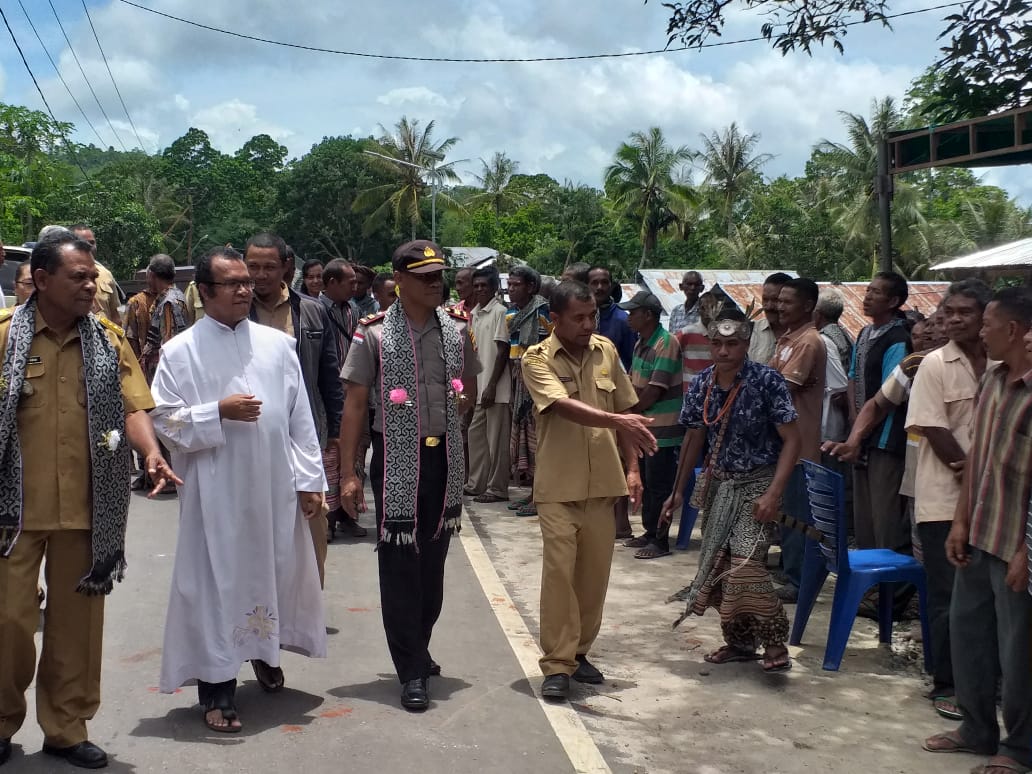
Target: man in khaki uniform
<point>60,413</point>
<point>106,301</point>
<point>580,391</point>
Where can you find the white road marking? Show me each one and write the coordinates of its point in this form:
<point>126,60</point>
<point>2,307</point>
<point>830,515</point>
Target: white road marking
<point>580,748</point>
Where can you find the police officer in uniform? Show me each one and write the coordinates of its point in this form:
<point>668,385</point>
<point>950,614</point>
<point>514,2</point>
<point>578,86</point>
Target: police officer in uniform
<point>68,381</point>
<point>423,356</point>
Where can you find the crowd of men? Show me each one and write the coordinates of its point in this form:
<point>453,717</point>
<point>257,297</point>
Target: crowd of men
<point>929,422</point>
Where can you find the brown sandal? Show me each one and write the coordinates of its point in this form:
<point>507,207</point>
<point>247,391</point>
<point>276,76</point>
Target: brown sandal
<point>948,742</point>
<point>729,654</point>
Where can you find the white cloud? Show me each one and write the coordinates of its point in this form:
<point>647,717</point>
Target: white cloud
<point>230,124</point>
<point>417,97</point>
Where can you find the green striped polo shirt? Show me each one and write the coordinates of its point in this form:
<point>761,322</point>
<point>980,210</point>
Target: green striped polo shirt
<point>658,362</point>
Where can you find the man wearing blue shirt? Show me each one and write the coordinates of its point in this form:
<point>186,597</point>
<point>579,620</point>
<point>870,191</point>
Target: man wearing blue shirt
<point>612,320</point>
<point>880,519</point>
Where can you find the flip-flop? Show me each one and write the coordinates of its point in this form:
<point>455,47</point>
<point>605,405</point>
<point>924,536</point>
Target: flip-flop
<point>637,542</point>
<point>270,678</point>
<point>774,665</point>
<point>651,551</point>
<point>229,714</point>
<point>947,707</point>
<point>952,743</point>
<point>1000,765</point>
<point>527,510</point>
<point>515,505</point>
<point>733,655</point>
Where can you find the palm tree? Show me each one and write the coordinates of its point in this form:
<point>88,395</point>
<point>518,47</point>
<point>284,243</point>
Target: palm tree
<point>494,178</point>
<point>420,167</point>
<point>742,249</point>
<point>994,221</point>
<point>641,181</point>
<point>731,169</point>
<point>852,168</point>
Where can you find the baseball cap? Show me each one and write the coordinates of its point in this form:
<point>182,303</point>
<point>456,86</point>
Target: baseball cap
<point>419,257</point>
<point>643,300</point>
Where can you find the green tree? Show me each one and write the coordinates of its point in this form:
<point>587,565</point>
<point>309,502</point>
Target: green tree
<point>495,180</point>
<point>423,166</point>
<point>641,181</point>
<point>732,169</point>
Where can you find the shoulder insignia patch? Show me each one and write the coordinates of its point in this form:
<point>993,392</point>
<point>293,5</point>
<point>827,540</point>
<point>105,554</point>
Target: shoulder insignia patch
<point>110,325</point>
<point>458,314</point>
<point>6,314</point>
<point>370,319</point>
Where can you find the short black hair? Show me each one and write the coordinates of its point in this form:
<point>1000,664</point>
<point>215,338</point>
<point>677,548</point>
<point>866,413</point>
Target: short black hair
<point>528,275</point>
<point>806,289</point>
<point>334,270</point>
<point>163,267</point>
<point>600,267</point>
<point>490,273</point>
<point>567,291</point>
<point>897,285</point>
<point>80,227</point>
<point>578,271</point>
<point>46,255</point>
<point>1014,303</point>
<point>777,278</point>
<point>380,280</point>
<point>266,239</point>
<point>971,288</point>
<point>202,269</point>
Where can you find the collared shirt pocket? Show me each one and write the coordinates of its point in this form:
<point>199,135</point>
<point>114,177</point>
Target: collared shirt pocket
<point>606,390</point>
<point>32,393</point>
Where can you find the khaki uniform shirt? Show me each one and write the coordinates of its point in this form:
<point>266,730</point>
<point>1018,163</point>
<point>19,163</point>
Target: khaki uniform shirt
<point>762,342</point>
<point>489,328</point>
<point>363,367</point>
<point>53,428</point>
<point>194,303</point>
<point>575,462</point>
<point>276,315</point>
<point>106,300</point>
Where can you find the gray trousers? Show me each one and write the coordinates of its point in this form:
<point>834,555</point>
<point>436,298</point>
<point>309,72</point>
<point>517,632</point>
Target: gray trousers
<point>991,636</point>
<point>879,513</point>
<point>489,450</point>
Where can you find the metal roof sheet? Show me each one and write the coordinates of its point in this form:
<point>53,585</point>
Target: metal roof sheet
<point>665,283</point>
<point>1015,254</point>
<point>923,296</point>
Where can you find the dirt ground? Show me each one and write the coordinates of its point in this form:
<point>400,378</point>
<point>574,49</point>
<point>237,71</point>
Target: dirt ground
<point>663,709</point>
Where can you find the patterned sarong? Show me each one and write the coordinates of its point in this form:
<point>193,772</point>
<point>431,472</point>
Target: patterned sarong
<point>523,438</point>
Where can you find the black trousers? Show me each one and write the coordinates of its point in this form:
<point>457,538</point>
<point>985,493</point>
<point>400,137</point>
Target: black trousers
<point>939,574</point>
<point>412,577</point>
<point>658,473</point>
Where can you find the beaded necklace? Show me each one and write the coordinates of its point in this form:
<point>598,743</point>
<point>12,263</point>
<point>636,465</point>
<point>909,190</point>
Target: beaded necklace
<point>728,402</point>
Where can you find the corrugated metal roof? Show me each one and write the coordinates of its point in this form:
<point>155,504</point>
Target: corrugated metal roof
<point>923,296</point>
<point>1015,254</point>
<point>472,256</point>
<point>665,283</point>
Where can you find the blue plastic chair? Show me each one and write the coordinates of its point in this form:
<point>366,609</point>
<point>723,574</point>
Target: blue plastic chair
<point>857,571</point>
<point>688,514</point>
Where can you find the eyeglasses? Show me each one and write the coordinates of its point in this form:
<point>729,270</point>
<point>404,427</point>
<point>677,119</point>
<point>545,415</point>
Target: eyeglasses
<point>247,284</point>
<point>25,283</point>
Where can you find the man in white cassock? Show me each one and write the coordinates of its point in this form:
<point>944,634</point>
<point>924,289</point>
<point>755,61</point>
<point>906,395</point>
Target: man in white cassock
<point>232,408</point>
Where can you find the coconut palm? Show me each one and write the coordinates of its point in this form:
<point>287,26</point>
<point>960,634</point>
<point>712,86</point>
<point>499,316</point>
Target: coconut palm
<point>732,169</point>
<point>494,178</point>
<point>420,168</point>
<point>742,249</point>
<point>641,181</point>
<point>994,221</point>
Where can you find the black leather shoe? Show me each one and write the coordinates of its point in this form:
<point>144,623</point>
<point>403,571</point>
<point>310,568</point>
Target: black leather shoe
<point>556,687</point>
<point>85,755</point>
<point>586,671</point>
<point>5,750</point>
<point>414,695</point>
<point>435,668</point>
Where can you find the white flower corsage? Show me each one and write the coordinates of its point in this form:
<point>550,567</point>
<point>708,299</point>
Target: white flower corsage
<point>110,440</point>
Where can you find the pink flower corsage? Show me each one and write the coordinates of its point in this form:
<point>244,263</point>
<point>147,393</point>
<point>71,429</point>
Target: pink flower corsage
<point>456,384</point>
<point>399,397</point>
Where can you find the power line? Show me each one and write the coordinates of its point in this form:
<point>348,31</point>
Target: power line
<point>17,45</point>
<point>61,77</point>
<point>369,55</point>
<point>111,75</point>
<point>90,85</point>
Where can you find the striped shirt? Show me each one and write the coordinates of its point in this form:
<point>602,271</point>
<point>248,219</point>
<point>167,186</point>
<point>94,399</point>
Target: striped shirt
<point>658,362</point>
<point>1000,462</point>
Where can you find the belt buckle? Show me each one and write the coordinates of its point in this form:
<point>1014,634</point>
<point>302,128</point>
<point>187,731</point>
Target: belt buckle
<point>432,441</point>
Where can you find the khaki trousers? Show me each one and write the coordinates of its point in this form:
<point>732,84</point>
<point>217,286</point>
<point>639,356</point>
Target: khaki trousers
<point>489,435</point>
<point>68,679</point>
<point>577,542</point>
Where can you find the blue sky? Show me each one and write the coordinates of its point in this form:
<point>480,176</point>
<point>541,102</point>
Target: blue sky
<point>561,118</point>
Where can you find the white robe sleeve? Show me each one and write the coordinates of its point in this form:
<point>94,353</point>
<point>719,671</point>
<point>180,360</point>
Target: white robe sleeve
<point>180,426</point>
<point>306,456</point>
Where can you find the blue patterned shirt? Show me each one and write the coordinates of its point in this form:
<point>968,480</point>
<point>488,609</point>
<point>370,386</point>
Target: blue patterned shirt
<point>763,403</point>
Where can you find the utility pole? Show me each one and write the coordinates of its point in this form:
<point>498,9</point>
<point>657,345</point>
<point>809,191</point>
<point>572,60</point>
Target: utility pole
<point>883,187</point>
